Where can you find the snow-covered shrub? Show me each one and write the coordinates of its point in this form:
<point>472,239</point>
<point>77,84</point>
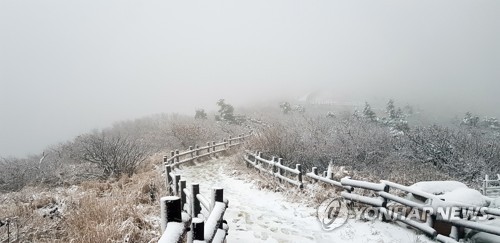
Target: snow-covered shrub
<point>383,150</point>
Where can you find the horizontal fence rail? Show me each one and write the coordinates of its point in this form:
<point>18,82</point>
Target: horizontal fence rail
<point>275,168</point>
<point>177,158</point>
<point>381,198</point>
<point>187,215</point>
<point>491,187</point>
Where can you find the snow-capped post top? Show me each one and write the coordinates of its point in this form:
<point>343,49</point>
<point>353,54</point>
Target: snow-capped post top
<point>171,210</point>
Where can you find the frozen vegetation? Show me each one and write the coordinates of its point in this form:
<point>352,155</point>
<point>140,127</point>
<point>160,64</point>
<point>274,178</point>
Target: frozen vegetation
<point>88,176</point>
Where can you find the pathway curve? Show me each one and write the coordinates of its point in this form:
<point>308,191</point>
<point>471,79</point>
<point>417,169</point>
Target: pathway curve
<point>257,215</point>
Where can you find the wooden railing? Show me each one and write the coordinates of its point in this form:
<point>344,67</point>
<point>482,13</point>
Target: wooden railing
<point>187,214</point>
<point>275,168</point>
<point>192,216</point>
<point>193,153</point>
<point>383,200</point>
<point>491,188</point>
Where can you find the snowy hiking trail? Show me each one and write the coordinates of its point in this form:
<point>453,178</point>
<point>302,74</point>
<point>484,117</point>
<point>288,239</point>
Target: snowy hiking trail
<point>257,215</point>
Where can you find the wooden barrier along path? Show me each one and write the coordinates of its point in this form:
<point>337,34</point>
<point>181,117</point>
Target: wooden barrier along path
<point>491,188</point>
<point>275,168</point>
<point>187,214</point>
<point>381,198</point>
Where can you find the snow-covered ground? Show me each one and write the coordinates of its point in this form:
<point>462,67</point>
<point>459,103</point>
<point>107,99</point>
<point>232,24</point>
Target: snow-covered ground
<point>263,216</point>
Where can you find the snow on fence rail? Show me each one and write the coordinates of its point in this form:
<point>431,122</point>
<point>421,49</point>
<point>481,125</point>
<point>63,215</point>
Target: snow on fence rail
<point>190,214</point>
<point>275,168</point>
<point>187,214</point>
<point>433,218</point>
<point>177,158</point>
<point>382,199</point>
<point>491,187</point>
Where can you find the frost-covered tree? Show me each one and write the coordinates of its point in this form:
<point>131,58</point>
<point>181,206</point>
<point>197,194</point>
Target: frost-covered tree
<point>200,114</point>
<point>226,112</point>
<point>368,113</point>
<point>490,122</point>
<point>285,107</point>
<point>299,109</point>
<point>391,110</point>
<point>470,120</point>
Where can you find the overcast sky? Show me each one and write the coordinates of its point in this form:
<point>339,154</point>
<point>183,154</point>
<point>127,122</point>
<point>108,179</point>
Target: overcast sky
<point>69,66</point>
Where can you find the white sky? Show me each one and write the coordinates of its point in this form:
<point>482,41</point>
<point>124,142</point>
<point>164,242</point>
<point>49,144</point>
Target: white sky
<point>69,66</point>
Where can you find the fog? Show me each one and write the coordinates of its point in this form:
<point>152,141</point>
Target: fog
<point>67,67</point>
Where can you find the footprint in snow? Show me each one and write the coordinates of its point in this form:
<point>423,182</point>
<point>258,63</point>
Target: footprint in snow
<point>264,236</point>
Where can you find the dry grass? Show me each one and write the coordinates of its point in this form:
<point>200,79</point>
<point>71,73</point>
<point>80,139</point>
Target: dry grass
<point>95,219</point>
<point>123,210</point>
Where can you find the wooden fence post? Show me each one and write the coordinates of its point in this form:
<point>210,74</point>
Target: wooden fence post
<point>177,180</point>
<point>384,217</point>
<point>273,166</point>
<point>197,150</point>
<point>217,196</point>
<point>349,203</point>
<point>430,219</point>
<point>183,194</point>
<point>485,185</point>
<point>299,176</point>
<point>329,174</point>
<point>177,155</point>
<point>191,149</point>
<point>225,143</point>
<point>315,171</point>
<point>208,147</point>
<point>172,155</point>
<point>198,229</point>
<point>213,146</point>
<point>257,161</point>
<point>195,203</point>
<point>170,211</point>
<point>168,178</point>
<point>230,138</point>
<point>246,162</point>
<point>280,171</point>
<point>165,159</point>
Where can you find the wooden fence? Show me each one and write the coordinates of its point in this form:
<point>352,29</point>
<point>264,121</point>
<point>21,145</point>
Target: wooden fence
<point>382,199</point>
<point>491,187</point>
<point>275,168</point>
<point>187,214</point>
<point>177,158</point>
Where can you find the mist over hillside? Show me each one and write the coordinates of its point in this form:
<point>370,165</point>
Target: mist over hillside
<point>67,68</point>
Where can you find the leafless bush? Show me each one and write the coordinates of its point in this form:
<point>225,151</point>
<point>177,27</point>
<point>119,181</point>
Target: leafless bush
<point>114,153</point>
<point>15,173</point>
<point>463,152</point>
<point>373,150</point>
